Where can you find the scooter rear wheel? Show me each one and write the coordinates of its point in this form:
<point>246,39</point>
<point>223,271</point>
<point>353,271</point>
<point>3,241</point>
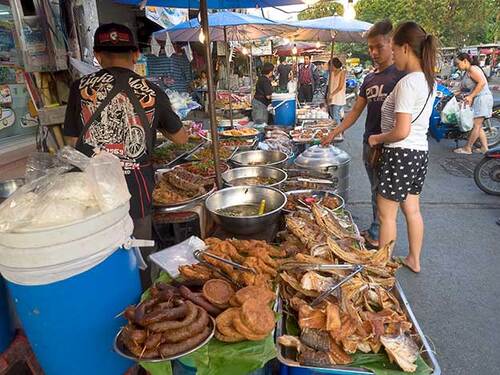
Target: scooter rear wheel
<point>487,176</point>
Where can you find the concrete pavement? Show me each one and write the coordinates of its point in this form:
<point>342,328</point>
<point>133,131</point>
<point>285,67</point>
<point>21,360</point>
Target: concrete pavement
<point>456,297</point>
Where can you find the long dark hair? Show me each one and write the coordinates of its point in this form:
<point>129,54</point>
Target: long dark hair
<point>423,45</point>
<point>462,56</point>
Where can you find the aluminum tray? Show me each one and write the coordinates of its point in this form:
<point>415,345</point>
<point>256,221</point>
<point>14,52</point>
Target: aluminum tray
<point>319,193</point>
<point>427,354</point>
<point>248,147</point>
<point>120,349</point>
<point>191,156</point>
<point>181,156</point>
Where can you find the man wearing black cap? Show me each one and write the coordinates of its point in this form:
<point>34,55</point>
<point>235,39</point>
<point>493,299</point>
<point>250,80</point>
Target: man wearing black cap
<point>119,111</point>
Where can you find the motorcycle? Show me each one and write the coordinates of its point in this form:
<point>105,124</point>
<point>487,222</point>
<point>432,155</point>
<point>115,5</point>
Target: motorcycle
<point>440,130</point>
<point>487,172</point>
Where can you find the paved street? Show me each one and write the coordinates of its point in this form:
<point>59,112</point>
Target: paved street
<point>455,298</point>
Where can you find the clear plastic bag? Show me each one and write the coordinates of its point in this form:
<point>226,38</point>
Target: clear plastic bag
<point>450,112</point>
<point>465,118</point>
<point>59,196</point>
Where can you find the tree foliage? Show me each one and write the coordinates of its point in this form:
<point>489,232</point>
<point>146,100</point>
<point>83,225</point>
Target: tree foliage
<point>322,8</point>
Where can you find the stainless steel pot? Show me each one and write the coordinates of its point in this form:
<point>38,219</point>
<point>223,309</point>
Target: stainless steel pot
<point>329,160</point>
<point>240,195</point>
<point>244,172</point>
<point>259,158</point>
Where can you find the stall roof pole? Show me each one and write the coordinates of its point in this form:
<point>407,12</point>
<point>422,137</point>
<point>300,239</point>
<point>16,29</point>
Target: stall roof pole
<point>211,92</point>
<point>228,74</point>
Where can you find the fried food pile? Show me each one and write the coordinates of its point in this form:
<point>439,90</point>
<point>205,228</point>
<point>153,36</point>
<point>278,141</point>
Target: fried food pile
<point>179,185</point>
<point>208,154</point>
<point>164,325</point>
<point>165,154</point>
<point>257,255</point>
<point>251,318</point>
<point>363,317</point>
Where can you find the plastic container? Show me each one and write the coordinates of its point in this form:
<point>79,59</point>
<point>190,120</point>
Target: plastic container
<point>7,326</point>
<point>286,370</point>
<point>68,286</point>
<point>71,324</point>
<point>285,106</point>
<point>187,367</point>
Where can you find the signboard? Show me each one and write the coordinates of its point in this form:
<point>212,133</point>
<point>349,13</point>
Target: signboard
<point>166,17</point>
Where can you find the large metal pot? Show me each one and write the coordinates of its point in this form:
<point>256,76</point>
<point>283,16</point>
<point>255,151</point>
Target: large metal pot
<point>259,158</point>
<point>245,172</point>
<point>330,160</point>
<point>8,187</point>
<point>240,195</point>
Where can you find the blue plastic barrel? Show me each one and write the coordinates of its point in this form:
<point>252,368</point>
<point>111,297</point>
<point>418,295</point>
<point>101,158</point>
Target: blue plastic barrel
<point>7,327</point>
<point>285,109</point>
<point>71,324</point>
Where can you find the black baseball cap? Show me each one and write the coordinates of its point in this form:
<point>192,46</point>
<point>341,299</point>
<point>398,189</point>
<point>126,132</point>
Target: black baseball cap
<point>113,37</point>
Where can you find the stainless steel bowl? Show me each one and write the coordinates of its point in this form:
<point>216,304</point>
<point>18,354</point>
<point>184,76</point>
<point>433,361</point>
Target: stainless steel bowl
<point>8,187</point>
<point>245,172</point>
<point>239,195</point>
<point>260,158</point>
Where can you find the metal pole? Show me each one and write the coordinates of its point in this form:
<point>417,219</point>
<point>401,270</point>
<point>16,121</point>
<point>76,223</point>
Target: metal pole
<point>211,93</point>
<point>251,69</point>
<point>228,73</point>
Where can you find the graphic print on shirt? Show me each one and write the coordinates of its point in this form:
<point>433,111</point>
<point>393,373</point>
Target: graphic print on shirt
<point>117,128</point>
<point>376,93</point>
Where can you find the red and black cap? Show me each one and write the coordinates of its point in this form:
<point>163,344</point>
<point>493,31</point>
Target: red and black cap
<point>113,37</point>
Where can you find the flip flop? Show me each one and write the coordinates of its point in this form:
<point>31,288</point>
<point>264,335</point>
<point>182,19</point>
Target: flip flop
<point>462,151</point>
<point>369,241</point>
<point>402,261</point>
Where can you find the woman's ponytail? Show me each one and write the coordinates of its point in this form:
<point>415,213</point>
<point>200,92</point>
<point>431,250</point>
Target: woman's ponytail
<point>429,59</point>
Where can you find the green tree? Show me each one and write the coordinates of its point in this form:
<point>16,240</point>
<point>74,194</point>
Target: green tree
<point>322,8</point>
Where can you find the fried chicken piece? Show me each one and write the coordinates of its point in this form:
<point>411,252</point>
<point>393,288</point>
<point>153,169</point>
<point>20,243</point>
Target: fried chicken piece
<point>195,272</point>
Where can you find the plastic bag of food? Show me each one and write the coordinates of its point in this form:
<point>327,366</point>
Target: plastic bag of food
<point>107,180</point>
<point>450,112</point>
<point>465,118</point>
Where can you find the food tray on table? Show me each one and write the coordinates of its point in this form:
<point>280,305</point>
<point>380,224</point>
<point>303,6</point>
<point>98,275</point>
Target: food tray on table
<point>285,355</point>
<point>209,188</point>
<point>304,183</point>
<point>242,144</point>
<point>225,153</point>
<point>318,196</point>
<point>120,348</point>
<point>159,163</point>
<point>240,133</point>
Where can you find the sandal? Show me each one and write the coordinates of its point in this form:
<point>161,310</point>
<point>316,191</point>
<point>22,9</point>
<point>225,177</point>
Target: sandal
<point>478,151</point>
<point>370,243</point>
<point>461,150</point>
<point>402,261</point>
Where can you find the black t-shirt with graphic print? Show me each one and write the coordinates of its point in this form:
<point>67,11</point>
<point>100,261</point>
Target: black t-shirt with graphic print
<point>375,88</point>
<point>118,128</point>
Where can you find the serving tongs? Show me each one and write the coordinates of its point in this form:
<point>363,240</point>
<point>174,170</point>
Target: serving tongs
<point>198,255</point>
<point>313,266</point>
<point>356,269</point>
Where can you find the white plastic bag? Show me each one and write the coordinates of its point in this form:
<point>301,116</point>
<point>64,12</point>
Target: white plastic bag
<point>450,112</point>
<point>465,118</point>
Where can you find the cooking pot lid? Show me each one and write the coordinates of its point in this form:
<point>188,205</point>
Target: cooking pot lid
<point>322,157</point>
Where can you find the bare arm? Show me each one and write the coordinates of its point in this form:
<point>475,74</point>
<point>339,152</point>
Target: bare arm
<point>478,76</point>
<point>348,121</point>
<point>400,131</point>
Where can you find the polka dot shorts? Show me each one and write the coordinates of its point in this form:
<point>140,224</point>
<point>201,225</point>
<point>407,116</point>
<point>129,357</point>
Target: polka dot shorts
<point>402,171</point>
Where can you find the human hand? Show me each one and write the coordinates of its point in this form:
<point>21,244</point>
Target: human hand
<point>328,139</point>
<point>373,140</point>
<point>468,100</point>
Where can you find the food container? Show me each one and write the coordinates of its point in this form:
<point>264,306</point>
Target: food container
<point>260,158</point>
<point>241,195</point>
<point>329,160</point>
<point>234,174</point>
<point>288,363</point>
<point>318,194</point>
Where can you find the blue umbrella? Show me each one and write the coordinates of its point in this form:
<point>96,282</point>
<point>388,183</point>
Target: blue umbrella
<point>333,28</point>
<point>238,26</point>
<point>214,4</point>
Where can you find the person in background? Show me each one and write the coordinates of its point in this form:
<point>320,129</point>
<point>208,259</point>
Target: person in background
<point>375,88</point>
<point>335,93</point>
<point>118,111</point>
<point>404,123</point>
<point>479,97</point>
<point>308,79</point>
<point>263,93</point>
<point>283,71</point>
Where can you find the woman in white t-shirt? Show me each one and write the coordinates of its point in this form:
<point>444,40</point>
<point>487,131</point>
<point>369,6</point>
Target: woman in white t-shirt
<point>405,120</point>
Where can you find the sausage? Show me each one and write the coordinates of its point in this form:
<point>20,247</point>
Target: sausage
<point>159,315</point>
<point>181,334</point>
<point>169,350</point>
<point>153,341</point>
<point>129,313</point>
<point>137,336</point>
<point>139,351</point>
<point>199,300</point>
<point>192,313</point>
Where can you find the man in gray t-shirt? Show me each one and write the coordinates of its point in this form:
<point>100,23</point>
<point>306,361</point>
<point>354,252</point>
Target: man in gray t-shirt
<point>375,88</point>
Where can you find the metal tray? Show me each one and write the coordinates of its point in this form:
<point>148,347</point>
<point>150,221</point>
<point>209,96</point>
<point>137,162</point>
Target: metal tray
<point>318,193</point>
<point>120,349</point>
<point>248,147</point>
<point>421,341</point>
<point>180,157</point>
<point>191,156</point>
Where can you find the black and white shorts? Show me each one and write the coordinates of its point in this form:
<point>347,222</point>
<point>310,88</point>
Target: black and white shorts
<point>402,171</point>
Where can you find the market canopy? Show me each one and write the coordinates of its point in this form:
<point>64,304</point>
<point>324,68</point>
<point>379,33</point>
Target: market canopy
<point>213,4</point>
<point>326,29</point>
<point>239,27</point>
<point>302,48</point>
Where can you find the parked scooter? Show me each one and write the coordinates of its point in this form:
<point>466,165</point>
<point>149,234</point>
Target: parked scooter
<point>439,130</point>
<point>487,172</point>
